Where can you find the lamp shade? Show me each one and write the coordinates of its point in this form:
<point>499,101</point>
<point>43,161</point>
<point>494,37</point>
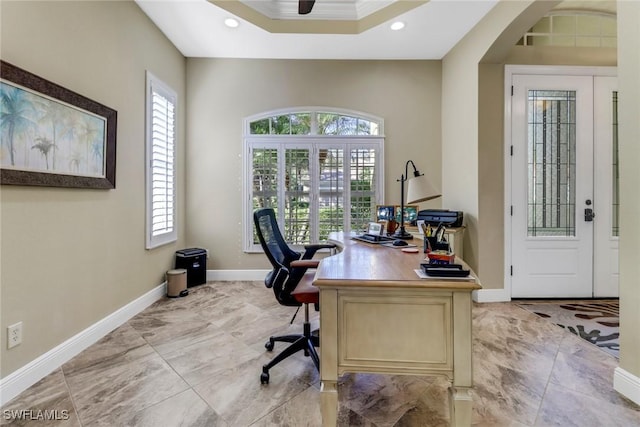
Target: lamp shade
<point>419,189</point>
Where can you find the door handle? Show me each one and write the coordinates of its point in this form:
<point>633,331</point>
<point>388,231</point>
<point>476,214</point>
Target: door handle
<point>589,214</point>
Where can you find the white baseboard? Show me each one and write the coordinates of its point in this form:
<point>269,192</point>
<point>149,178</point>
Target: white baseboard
<point>627,384</point>
<point>23,378</point>
<point>231,275</point>
<point>491,295</point>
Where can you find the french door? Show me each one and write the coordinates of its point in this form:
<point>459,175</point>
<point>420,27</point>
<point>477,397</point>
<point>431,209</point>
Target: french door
<point>561,188</point>
<point>606,232</point>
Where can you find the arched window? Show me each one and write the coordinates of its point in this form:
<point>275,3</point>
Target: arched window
<point>321,170</point>
<point>573,28</point>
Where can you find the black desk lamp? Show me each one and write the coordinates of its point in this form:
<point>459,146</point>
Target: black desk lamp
<point>419,190</point>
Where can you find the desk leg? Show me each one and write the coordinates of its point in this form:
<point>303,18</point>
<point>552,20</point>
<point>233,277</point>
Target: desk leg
<point>460,399</point>
<point>329,357</point>
<point>460,405</point>
<point>329,403</point>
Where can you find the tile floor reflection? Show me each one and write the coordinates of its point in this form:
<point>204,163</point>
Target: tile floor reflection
<point>196,361</point>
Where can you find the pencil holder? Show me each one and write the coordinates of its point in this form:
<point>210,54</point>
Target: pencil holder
<point>432,244</point>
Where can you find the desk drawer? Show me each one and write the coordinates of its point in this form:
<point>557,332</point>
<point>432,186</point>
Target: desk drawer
<point>388,332</point>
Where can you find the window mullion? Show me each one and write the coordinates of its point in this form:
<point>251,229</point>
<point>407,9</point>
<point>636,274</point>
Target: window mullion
<point>281,185</point>
<point>248,192</point>
<point>314,123</point>
<point>346,194</point>
<point>314,208</point>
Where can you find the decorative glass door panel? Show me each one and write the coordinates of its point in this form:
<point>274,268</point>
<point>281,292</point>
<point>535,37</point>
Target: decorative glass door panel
<point>551,163</point>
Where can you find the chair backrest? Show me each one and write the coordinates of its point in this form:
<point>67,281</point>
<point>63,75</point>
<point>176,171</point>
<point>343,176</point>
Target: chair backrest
<point>278,252</point>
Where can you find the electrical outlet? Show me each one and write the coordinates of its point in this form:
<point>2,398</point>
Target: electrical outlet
<point>14,335</point>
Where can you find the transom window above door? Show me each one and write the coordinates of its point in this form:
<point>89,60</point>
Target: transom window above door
<point>581,28</point>
<point>321,170</point>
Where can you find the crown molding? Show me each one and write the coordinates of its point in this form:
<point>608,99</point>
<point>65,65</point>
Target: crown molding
<point>334,10</point>
<point>314,23</point>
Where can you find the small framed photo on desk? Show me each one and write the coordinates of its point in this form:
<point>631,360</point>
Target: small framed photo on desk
<point>375,228</point>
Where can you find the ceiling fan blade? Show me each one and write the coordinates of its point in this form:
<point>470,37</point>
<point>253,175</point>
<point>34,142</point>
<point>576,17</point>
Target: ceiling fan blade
<point>305,6</point>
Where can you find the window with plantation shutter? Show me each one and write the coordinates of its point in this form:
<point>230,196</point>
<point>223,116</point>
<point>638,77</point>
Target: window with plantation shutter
<point>160,167</point>
<point>320,169</point>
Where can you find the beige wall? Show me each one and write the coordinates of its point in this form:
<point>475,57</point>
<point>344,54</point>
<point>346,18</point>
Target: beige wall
<point>496,33</point>
<point>491,174</point>
<point>221,92</point>
<point>629,135</point>
<point>555,55</point>
<point>70,257</point>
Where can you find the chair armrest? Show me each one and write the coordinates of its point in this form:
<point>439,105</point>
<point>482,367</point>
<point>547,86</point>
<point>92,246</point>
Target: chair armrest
<point>304,263</point>
<point>310,250</point>
<point>298,268</point>
<point>320,246</point>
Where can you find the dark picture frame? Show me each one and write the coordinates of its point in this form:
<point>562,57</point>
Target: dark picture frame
<point>92,163</point>
<point>385,212</point>
<point>410,214</point>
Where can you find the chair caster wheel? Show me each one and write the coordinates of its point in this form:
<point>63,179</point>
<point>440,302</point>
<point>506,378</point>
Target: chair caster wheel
<point>264,378</point>
<point>269,345</point>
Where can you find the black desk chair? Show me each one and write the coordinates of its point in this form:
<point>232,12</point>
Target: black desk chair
<point>291,284</point>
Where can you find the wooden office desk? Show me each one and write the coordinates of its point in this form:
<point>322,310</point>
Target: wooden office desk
<point>377,316</point>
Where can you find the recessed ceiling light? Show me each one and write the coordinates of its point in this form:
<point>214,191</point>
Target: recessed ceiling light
<point>398,25</point>
<point>231,23</point>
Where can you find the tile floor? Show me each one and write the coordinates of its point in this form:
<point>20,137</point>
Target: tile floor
<point>196,361</point>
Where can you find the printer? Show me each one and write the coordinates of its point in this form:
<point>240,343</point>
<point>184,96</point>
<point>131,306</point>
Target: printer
<point>441,216</point>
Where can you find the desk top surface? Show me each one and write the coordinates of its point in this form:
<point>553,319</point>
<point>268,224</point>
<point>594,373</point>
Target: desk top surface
<point>361,264</point>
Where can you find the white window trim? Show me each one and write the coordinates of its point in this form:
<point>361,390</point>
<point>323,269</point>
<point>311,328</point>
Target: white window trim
<point>153,84</point>
<point>349,141</point>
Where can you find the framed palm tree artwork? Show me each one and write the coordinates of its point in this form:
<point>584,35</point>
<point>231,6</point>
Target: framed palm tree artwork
<point>52,136</point>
